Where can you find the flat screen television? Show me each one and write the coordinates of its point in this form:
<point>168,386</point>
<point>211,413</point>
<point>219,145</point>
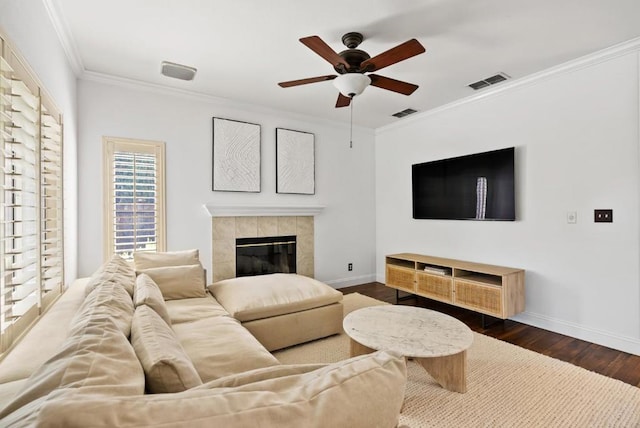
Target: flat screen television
<point>473,187</point>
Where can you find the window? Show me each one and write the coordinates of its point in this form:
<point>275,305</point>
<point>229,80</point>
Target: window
<point>134,191</point>
<point>31,197</point>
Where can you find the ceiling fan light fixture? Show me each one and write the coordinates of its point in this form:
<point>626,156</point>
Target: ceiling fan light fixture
<point>351,84</point>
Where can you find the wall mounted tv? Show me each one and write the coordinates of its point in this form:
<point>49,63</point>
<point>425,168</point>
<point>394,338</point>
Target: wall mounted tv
<point>473,187</point>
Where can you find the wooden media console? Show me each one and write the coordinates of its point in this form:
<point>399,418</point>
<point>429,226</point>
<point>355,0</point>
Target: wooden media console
<point>497,291</point>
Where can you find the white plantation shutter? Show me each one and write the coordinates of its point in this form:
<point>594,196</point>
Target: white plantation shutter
<point>135,195</point>
<point>29,148</point>
<point>51,231</point>
<point>20,134</point>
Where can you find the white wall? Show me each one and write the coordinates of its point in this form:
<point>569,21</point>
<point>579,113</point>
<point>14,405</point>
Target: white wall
<point>345,231</point>
<point>27,26</point>
<point>576,139</point>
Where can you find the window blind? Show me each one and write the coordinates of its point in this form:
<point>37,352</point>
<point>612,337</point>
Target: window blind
<point>135,195</point>
<point>19,200</point>
<point>31,258</point>
<point>51,230</point>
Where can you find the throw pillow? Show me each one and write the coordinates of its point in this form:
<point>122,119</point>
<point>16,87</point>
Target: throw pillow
<point>179,282</point>
<point>167,368</point>
<point>147,260</point>
<point>148,293</point>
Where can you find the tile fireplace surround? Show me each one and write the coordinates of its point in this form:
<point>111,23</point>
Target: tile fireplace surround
<point>229,223</point>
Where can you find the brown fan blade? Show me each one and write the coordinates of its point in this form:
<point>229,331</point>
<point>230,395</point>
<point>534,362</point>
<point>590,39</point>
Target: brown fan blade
<point>399,53</point>
<point>305,81</point>
<point>317,45</point>
<point>392,84</point>
<point>342,101</point>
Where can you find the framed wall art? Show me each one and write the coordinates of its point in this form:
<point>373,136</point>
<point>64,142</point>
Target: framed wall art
<point>236,156</point>
<point>295,162</point>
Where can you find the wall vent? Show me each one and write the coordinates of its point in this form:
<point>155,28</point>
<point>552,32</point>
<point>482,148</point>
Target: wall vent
<point>405,112</point>
<point>177,71</point>
<point>500,77</point>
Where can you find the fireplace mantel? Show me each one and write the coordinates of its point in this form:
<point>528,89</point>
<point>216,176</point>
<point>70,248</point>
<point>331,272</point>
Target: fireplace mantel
<point>220,210</point>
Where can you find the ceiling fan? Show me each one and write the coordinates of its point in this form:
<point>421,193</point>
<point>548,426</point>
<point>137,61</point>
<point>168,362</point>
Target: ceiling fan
<point>352,64</point>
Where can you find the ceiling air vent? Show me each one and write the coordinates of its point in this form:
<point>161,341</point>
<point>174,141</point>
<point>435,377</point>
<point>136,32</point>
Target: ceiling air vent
<point>500,77</point>
<point>405,112</point>
<point>178,71</point>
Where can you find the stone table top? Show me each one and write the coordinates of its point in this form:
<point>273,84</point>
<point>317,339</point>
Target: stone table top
<point>409,330</point>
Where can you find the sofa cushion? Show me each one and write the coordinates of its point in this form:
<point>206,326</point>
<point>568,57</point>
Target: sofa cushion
<point>148,293</point>
<point>97,357</point>
<point>286,330</point>
<point>258,375</point>
<point>116,270</point>
<point>108,301</point>
<point>220,346</point>
<point>8,390</point>
<point>147,260</point>
<point>45,338</point>
<point>255,297</point>
<point>365,391</point>
<point>167,367</point>
<point>179,282</point>
<point>187,310</point>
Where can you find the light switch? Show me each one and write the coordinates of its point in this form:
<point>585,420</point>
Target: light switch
<point>572,217</point>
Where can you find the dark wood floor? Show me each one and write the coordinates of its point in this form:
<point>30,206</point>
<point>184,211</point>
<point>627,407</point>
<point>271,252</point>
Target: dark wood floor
<point>596,358</point>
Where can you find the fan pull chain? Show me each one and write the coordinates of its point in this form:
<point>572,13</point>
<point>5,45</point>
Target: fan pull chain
<point>351,124</point>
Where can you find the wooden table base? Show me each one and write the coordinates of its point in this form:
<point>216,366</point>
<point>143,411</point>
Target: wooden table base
<point>449,371</point>
<point>357,349</point>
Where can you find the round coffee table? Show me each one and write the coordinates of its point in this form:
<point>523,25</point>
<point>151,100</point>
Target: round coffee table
<point>436,341</point>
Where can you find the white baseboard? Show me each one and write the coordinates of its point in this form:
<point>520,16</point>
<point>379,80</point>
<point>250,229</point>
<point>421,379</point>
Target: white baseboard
<point>600,337</point>
<point>353,280</point>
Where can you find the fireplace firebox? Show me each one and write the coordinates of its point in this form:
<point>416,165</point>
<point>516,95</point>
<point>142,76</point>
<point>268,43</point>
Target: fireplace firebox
<point>261,256</point>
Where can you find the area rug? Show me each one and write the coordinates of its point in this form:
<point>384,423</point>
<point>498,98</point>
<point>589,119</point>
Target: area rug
<point>507,386</point>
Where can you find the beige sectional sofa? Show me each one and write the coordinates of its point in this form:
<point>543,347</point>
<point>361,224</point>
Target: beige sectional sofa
<point>156,349</point>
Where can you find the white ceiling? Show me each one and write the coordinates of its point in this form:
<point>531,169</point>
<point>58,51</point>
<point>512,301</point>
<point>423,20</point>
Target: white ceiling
<point>243,48</point>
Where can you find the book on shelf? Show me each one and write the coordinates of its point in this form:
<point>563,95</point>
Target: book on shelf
<point>436,270</point>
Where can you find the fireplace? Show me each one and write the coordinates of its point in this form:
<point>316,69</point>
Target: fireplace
<point>227,229</point>
<point>261,256</point>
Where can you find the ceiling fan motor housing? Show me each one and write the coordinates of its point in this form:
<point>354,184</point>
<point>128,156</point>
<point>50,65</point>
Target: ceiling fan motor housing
<point>354,57</point>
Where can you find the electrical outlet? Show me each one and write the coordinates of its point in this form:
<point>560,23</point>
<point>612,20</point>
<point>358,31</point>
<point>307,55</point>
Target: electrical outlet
<point>350,267</point>
<point>603,216</point>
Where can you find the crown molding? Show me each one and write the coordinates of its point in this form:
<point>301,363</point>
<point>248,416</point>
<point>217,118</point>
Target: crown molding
<point>125,82</point>
<point>589,60</point>
<point>65,36</point>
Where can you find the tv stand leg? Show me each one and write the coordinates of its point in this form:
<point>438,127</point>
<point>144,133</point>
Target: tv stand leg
<point>398,298</point>
<point>488,320</point>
